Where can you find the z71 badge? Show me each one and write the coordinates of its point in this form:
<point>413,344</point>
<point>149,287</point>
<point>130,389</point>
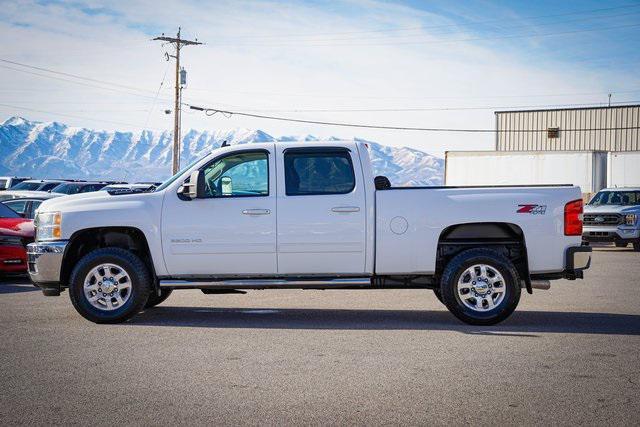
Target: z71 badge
<point>532,209</point>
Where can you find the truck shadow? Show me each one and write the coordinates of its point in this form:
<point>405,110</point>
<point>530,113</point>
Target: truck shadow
<point>523,323</point>
<point>16,284</point>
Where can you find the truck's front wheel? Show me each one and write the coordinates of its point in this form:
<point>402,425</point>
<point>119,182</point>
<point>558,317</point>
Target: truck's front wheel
<point>109,285</point>
<point>480,286</point>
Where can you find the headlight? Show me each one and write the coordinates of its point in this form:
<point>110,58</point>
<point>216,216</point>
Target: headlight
<point>48,225</point>
<point>630,219</point>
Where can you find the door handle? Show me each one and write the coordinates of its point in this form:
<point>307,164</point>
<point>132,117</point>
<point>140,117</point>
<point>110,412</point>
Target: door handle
<point>344,209</point>
<point>256,212</point>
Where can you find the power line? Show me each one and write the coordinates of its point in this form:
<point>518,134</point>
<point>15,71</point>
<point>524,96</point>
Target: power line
<point>423,27</point>
<point>514,36</point>
<point>323,95</point>
<point>75,76</point>
<point>74,116</point>
<point>342,96</point>
<point>78,82</point>
<point>211,111</point>
<point>442,33</point>
<point>397,110</point>
<point>153,104</point>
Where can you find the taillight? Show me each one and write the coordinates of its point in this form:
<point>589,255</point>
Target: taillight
<point>573,218</point>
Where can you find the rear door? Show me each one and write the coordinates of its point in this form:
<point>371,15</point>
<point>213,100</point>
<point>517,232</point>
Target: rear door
<point>321,211</point>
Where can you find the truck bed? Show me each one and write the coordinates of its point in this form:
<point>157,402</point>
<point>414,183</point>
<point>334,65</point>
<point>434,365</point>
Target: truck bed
<point>415,217</point>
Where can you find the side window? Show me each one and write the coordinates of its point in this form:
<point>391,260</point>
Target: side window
<point>48,186</point>
<point>310,172</point>
<point>238,175</point>
<point>20,206</point>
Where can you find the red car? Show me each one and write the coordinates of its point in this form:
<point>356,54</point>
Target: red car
<point>15,233</point>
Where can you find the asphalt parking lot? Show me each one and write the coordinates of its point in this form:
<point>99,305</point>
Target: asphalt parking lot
<point>570,355</point>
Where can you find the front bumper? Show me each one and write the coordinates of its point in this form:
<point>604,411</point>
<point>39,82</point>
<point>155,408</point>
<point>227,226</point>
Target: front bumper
<point>626,234</point>
<point>45,263</point>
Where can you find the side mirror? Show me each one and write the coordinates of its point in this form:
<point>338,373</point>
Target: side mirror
<point>195,187</point>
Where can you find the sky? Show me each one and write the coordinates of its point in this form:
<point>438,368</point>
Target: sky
<point>428,64</point>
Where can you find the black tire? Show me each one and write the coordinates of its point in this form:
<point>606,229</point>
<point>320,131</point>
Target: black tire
<point>636,246</point>
<point>438,295</point>
<point>458,265</point>
<point>137,272</point>
<point>621,244</point>
<point>155,299</point>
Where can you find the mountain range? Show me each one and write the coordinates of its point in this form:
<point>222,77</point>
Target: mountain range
<point>55,150</point>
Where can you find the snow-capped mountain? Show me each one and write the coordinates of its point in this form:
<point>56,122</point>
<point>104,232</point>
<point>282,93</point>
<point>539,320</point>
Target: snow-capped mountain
<point>54,150</point>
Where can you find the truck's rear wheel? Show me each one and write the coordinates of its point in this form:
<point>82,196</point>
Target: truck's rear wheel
<point>109,285</point>
<point>155,299</point>
<point>480,287</point>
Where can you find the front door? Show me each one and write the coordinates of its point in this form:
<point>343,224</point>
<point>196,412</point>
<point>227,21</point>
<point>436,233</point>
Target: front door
<point>321,212</point>
<point>232,229</point>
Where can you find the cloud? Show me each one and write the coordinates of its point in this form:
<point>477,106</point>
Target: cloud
<point>248,62</point>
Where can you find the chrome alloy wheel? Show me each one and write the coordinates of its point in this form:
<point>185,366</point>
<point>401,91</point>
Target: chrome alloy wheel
<point>481,288</point>
<point>107,287</point>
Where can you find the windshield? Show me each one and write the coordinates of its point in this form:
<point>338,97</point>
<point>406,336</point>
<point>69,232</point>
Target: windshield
<point>27,186</point>
<point>624,198</point>
<point>176,176</point>
<point>7,212</point>
<point>67,188</point>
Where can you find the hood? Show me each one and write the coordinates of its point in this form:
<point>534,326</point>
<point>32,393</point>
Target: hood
<point>87,201</point>
<point>20,227</point>
<point>622,209</point>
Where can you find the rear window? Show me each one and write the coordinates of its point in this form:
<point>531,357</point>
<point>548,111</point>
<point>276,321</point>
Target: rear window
<point>317,172</point>
<point>27,186</point>
<point>3,184</point>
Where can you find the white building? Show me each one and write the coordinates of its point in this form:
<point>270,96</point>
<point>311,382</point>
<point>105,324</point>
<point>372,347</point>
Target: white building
<point>592,147</point>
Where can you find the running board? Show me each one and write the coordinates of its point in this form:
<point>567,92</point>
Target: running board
<point>267,283</point>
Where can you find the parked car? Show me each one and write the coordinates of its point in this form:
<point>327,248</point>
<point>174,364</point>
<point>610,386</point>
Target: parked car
<point>15,233</point>
<point>7,182</point>
<point>26,206</point>
<point>40,195</point>
<point>37,185</point>
<point>76,187</point>
<point>612,216</point>
<point>310,216</point>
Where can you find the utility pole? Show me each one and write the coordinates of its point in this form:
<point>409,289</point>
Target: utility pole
<point>178,43</point>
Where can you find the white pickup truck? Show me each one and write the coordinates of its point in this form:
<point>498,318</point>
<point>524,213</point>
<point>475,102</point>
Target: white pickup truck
<point>308,216</point>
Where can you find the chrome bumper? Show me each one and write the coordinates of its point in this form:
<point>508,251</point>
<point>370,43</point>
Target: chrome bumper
<point>45,261</point>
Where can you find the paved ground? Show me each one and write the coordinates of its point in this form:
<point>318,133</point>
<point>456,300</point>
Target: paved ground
<point>567,356</point>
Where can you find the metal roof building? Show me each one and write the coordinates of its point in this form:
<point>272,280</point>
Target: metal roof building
<point>569,129</point>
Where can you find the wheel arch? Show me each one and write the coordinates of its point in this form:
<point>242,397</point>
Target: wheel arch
<point>508,238</point>
<point>86,240</point>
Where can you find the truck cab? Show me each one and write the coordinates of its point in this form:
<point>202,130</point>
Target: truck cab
<point>310,216</point>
